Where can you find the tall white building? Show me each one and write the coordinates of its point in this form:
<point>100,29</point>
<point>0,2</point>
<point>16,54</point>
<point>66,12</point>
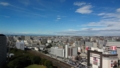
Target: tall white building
<point>20,45</point>
<point>66,51</point>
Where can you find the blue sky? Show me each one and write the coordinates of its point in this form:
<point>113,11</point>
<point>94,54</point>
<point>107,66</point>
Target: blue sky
<point>60,17</point>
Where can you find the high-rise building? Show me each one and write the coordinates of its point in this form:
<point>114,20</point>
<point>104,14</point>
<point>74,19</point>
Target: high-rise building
<point>20,45</point>
<point>72,51</point>
<point>3,50</point>
<point>66,51</point>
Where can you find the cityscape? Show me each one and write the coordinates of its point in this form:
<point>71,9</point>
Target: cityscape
<point>59,33</point>
<point>65,51</point>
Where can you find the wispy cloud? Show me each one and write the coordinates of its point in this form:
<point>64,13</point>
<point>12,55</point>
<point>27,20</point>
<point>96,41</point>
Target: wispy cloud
<point>4,4</point>
<point>20,9</point>
<point>25,2</point>
<point>79,3</point>
<point>73,20</point>
<point>58,18</point>
<point>118,10</point>
<point>110,21</point>
<point>109,15</point>
<point>5,16</point>
<point>108,26</point>
<point>91,33</point>
<point>100,14</point>
<point>39,9</point>
<point>25,33</point>
<point>84,8</point>
<point>11,5</point>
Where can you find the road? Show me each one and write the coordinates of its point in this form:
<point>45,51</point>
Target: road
<point>55,62</point>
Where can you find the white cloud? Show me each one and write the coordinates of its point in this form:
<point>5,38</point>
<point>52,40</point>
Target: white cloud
<point>84,10</point>
<point>118,10</point>
<point>20,9</point>
<point>109,15</point>
<point>110,22</point>
<point>79,3</point>
<point>71,30</point>
<point>4,4</point>
<point>58,18</point>
<point>108,26</point>
<point>94,24</point>
<point>100,14</point>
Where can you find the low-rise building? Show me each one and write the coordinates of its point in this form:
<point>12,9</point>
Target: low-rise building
<point>57,51</point>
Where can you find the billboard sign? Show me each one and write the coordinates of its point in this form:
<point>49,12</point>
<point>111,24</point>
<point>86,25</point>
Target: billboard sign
<point>95,61</point>
<point>113,47</point>
<point>95,58</point>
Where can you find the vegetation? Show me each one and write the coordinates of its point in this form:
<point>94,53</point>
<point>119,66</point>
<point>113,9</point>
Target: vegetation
<point>46,51</point>
<point>23,59</point>
<point>36,66</point>
<point>49,45</point>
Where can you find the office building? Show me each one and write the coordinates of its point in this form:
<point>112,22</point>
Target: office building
<point>3,50</point>
<point>57,51</point>
<point>72,51</point>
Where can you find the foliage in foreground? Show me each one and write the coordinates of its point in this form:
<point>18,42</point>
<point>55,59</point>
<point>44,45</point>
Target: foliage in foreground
<point>36,66</point>
<point>22,59</point>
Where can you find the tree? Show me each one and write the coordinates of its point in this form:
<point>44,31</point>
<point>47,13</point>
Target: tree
<point>50,67</point>
<point>48,63</point>
<point>42,61</point>
<point>22,59</point>
<point>37,60</point>
<point>46,52</point>
<point>13,64</point>
<point>49,46</point>
<point>19,62</point>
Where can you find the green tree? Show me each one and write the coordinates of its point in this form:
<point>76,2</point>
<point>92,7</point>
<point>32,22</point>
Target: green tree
<point>50,67</point>
<point>49,45</point>
<point>37,60</point>
<point>42,61</point>
<point>48,63</point>
<point>19,62</point>
<point>13,64</point>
